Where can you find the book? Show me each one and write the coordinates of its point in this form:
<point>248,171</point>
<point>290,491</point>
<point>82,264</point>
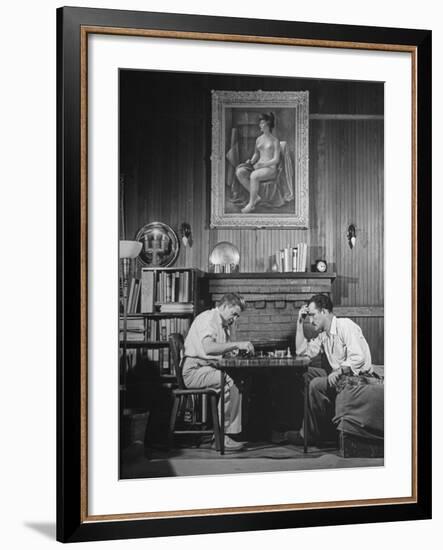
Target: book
<point>287,259</point>
<point>177,307</point>
<point>185,286</point>
<point>130,294</point>
<point>173,278</point>
<point>304,257</point>
<point>294,258</point>
<point>177,286</point>
<point>131,302</point>
<point>168,285</point>
<point>301,256</point>
<point>147,292</point>
<point>137,297</point>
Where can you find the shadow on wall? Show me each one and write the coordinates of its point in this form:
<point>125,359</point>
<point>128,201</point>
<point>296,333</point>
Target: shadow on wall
<point>46,529</point>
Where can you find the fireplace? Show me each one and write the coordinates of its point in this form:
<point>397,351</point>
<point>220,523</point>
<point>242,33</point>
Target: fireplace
<point>273,301</point>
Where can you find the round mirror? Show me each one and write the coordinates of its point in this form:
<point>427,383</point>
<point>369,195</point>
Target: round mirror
<point>160,245</point>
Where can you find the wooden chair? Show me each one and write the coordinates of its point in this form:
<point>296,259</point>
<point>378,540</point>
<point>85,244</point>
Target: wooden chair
<point>182,393</point>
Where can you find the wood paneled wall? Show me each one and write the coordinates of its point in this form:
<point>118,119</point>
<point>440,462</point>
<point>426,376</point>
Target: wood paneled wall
<point>165,161</point>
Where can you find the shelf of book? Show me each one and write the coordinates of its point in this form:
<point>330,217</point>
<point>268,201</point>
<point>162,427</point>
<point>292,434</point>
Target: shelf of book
<point>164,290</point>
<point>131,344</point>
<point>161,301</point>
<point>159,315</point>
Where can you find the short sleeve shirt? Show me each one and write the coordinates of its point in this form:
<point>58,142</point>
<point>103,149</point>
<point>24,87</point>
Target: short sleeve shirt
<point>208,324</point>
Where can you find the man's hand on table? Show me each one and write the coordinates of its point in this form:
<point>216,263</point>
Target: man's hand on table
<point>246,346</point>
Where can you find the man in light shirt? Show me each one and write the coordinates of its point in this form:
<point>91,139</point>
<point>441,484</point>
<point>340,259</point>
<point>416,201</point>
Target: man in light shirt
<point>347,352</point>
<point>209,337</point>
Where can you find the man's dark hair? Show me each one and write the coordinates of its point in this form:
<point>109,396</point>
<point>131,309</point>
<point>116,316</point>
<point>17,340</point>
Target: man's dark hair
<point>232,299</point>
<point>321,301</point>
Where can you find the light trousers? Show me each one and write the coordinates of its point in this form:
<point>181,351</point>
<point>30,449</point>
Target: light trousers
<point>198,374</point>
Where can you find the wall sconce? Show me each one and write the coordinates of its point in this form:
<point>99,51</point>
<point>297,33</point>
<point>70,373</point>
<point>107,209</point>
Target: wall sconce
<point>186,234</point>
<point>351,236</point>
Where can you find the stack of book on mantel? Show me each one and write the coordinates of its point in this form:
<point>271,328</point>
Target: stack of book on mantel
<point>292,258</point>
<point>177,307</point>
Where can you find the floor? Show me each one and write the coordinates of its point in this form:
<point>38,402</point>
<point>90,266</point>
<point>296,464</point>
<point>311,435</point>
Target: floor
<point>257,457</point>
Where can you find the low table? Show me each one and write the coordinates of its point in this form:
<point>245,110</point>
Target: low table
<point>246,366</point>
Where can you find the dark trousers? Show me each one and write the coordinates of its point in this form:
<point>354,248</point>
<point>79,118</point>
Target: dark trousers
<point>321,406</point>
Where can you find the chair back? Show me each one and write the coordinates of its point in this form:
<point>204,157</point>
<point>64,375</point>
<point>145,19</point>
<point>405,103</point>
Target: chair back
<point>284,154</point>
<point>176,347</point>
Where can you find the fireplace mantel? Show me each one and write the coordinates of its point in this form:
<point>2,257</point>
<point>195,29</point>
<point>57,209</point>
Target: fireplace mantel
<point>273,275</point>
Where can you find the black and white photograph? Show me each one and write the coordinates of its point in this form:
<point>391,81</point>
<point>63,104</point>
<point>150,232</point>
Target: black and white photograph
<point>219,233</point>
<point>251,261</point>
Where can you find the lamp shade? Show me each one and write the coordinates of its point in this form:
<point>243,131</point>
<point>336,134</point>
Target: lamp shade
<point>129,249</point>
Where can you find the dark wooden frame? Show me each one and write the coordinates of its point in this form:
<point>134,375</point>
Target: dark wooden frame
<point>73,522</point>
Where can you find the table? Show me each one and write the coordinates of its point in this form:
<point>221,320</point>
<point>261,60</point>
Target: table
<point>241,366</point>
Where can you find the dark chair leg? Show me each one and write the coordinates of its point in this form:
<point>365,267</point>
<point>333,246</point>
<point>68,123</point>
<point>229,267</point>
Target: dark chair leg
<point>146,435</point>
<point>196,413</point>
<point>215,424</point>
<point>175,407</point>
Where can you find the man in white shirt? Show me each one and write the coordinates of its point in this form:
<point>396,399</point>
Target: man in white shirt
<point>207,340</point>
<point>347,352</point>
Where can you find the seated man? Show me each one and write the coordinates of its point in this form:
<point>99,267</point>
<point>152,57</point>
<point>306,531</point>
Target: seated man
<point>207,340</point>
<point>347,352</point>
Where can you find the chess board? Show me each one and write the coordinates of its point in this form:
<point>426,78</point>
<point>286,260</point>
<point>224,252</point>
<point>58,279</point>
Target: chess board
<point>256,361</point>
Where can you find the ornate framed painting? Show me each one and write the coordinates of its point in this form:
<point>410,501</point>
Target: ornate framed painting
<point>282,195</point>
<point>281,169</point>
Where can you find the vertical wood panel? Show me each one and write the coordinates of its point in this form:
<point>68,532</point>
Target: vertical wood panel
<point>373,330</point>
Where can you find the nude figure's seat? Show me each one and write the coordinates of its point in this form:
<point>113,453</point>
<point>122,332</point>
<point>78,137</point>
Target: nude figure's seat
<point>279,190</point>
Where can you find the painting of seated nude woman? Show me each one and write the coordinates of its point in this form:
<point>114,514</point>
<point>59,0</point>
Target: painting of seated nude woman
<point>261,172</point>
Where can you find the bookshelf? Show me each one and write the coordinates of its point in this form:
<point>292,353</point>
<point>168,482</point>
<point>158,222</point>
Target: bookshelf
<point>161,301</point>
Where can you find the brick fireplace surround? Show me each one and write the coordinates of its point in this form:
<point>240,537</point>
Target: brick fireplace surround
<point>273,301</point>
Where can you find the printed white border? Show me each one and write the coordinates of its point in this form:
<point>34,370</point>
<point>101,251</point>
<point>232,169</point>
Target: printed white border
<point>108,495</point>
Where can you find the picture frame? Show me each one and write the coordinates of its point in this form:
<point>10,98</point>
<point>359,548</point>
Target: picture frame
<point>74,520</point>
<point>284,195</point>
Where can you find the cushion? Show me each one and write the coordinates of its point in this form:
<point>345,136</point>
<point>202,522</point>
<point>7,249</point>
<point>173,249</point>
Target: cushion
<point>359,410</point>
